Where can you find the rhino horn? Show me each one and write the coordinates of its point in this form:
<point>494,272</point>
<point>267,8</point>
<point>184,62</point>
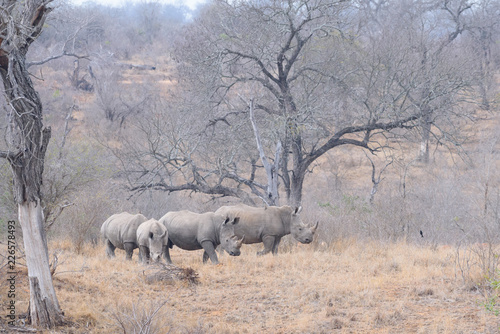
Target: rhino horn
<point>314,227</point>
<point>240,242</point>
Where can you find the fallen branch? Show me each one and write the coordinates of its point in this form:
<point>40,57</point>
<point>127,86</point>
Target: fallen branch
<point>16,329</point>
<point>162,272</point>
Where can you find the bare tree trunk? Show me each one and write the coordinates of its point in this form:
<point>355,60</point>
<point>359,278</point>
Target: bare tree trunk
<point>44,306</point>
<point>20,23</point>
<point>296,189</point>
<point>376,179</point>
<point>426,136</point>
<point>76,73</point>
<point>271,169</point>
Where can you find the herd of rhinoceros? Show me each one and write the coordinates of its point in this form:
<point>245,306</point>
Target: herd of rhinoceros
<point>229,227</point>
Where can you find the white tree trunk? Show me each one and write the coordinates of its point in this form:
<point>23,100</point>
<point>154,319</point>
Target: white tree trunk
<point>271,169</point>
<point>424,153</point>
<point>44,306</point>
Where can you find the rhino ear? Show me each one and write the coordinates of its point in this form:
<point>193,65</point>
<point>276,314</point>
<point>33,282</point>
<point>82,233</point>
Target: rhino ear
<point>297,210</point>
<point>151,235</point>
<point>226,221</point>
<point>235,220</point>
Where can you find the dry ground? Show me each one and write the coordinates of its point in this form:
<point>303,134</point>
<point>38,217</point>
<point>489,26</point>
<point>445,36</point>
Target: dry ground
<point>351,287</point>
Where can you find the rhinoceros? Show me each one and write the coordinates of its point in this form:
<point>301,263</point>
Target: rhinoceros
<point>192,231</point>
<point>152,238</point>
<point>120,231</point>
<point>268,225</point>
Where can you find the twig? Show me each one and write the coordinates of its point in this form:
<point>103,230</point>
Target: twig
<point>53,265</point>
<point>82,269</point>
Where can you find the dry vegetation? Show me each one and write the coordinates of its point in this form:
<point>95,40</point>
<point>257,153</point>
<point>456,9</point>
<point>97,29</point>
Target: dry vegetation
<point>349,287</point>
<point>368,271</point>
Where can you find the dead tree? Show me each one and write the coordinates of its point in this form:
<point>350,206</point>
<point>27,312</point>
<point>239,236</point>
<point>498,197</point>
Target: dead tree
<point>271,169</point>
<point>21,23</point>
<point>376,179</point>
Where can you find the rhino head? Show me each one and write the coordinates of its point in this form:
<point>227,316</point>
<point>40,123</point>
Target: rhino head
<point>157,238</point>
<point>228,240</point>
<point>300,231</point>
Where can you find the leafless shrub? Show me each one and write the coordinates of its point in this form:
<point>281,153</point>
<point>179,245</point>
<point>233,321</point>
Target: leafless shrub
<point>477,264</point>
<point>82,222</point>
<point>140,318</point>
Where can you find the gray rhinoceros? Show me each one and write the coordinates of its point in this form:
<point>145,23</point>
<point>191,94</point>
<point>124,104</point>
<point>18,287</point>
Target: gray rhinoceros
<point>152,238</point>
<point>192,231</point>
<point>268,225</point>
<point>120,231</point>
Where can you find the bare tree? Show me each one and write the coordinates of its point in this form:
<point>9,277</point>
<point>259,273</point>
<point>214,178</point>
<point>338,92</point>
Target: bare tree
<point>483,27</point>
<point>67,48</point>
<point>376,179</point>
<point>323,79</point>
<point>20,25</point>
<point>428,34</point>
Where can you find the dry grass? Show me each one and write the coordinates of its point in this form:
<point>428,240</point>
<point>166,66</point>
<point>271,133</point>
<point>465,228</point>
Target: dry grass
<point>351,287</point>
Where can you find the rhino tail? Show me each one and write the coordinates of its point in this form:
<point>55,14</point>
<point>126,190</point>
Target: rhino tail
<point>170,244</point>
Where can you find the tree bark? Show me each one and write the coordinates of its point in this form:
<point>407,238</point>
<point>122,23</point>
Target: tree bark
<point>296,189</point>
<point>20,23</point>
<point>44,306</point>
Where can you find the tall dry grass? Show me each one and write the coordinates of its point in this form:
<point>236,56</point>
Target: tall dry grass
<point>348,286</point>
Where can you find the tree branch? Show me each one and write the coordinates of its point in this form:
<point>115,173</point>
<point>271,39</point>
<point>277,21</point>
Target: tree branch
<point>337,140</point>
<point>9,155</point>
<point>63,54</point>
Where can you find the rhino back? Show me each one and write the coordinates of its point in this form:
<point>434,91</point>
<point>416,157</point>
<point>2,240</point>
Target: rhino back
<point>255,222</point>
<point>121,228</point>
<point>187,229</point>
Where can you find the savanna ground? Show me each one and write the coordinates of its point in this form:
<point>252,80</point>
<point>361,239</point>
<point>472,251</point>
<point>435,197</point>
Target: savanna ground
<point>349,287</point>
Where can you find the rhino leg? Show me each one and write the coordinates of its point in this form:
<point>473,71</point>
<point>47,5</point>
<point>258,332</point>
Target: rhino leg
<point>166,254</point>
<point>209,248</point>
<point>277,241</point>
<point>268,242</point>
<point>110,249</point>
<point>205,257</point>
<point>143,254</point>
<point>220,250</point>
<point>129,249</point>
